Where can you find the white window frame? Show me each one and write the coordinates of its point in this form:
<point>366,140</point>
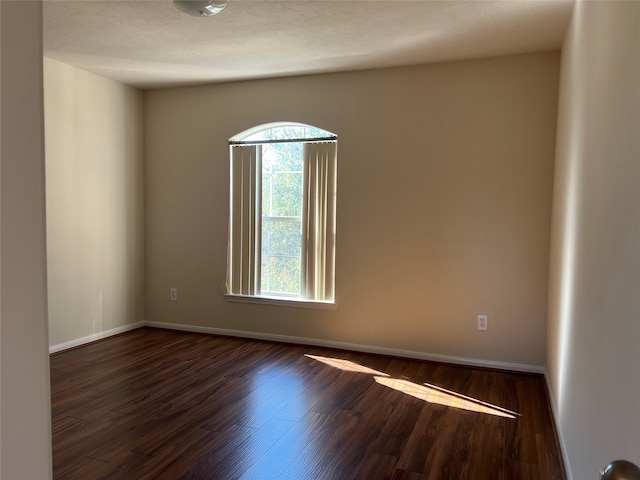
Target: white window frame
<point>318,220</point>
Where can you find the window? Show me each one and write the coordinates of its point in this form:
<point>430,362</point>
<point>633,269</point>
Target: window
<point>283,213</point>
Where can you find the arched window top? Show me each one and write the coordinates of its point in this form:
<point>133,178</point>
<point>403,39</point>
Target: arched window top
<point>280,132</point>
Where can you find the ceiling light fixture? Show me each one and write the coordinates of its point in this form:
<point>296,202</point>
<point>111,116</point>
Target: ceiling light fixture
<point>200,8</point>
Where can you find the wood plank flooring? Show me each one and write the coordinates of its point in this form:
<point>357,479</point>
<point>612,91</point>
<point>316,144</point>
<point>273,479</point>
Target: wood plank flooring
<point>159,404</point>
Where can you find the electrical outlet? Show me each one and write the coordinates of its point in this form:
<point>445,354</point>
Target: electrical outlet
<point>173,294</point>
<point>483,322</point>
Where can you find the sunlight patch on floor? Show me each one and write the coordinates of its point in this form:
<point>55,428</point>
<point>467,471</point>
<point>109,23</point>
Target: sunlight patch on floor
<point>441,396</point>
<point>427,392</point>
<point>346,365</point>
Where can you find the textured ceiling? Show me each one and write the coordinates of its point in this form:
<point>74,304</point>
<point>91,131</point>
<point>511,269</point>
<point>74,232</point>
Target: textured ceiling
<point>149,44</point>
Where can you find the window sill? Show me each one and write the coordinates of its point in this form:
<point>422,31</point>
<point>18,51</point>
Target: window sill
<point>281,302</point>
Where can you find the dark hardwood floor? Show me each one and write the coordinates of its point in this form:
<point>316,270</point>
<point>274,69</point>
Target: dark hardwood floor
<point>164,404</point>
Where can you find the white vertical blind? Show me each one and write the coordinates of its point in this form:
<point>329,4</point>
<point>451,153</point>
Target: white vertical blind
<point>319,221</point>
<point>244,228</point>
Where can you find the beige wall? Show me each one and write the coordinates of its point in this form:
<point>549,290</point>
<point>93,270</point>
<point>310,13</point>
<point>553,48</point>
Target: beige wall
<point>444,200</point>
<point>594,285</point>
<point>94,162</point>
<point>25,436</point>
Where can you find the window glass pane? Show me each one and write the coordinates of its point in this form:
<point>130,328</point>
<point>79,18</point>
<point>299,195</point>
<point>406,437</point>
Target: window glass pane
<point>282,157</point>
<point>281,257</point>
<point>281,237</point>
<point>281,218</point>
<point>285,195</point>
<point>281,275</point>
<point>282,180</point>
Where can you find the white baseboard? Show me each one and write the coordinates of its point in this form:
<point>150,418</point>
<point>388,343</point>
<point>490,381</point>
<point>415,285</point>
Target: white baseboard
<point>95,336</point>
<point>554,414</point>
<point>472,362</point>
<point>356,347</point>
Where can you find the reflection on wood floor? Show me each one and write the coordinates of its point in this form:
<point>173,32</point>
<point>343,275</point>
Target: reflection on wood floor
<point>159,404</point>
